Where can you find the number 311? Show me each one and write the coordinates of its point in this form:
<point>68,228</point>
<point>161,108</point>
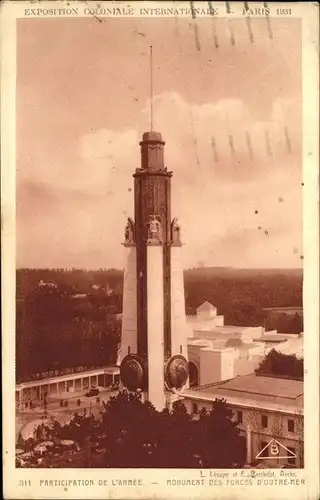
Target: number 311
<point>24,482</point>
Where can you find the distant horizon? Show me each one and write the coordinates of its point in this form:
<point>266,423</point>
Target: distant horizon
<point>184,269</point>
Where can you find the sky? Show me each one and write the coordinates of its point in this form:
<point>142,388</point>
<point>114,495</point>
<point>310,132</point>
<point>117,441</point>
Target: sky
<point>82,100</point>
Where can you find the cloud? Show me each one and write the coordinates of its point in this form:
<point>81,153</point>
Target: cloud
<point>80,209</point>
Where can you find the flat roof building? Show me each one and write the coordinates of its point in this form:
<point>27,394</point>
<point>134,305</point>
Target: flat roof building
<point>269,411</point>
<point>219,352</point>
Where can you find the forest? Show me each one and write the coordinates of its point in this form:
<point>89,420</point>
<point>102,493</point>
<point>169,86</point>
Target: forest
<point>54,332</point>
<point>71,321</point>
<point>242,294</point>
<point>239,294</point>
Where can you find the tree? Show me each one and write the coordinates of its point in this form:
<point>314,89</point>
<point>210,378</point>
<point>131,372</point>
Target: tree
<point>29,444</point>
<point>295,324</point>
<point>139,436</point>
<point>277,363</point>
<point>219,438</point>
<point>130,426</point>
<point>176,444</point>
<point>135,435</point>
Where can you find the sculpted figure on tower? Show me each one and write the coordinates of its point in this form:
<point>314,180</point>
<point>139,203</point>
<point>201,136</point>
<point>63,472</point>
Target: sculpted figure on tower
<point>129,231</point>
<point>154,230</point>
<point>175,232</point>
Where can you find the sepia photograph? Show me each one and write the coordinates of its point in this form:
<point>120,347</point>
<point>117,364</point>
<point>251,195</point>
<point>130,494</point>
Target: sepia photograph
<point>140,337</point>
<point>160,244</point>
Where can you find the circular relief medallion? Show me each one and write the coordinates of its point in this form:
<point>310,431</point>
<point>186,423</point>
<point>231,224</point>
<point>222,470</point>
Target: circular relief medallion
<point>176,372</point>
<point>133,372</point>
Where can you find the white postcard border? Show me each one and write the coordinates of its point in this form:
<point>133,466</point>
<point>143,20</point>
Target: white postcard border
<point>16,480</point>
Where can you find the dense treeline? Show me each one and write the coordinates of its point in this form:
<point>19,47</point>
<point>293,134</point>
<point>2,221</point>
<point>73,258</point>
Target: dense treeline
<point>54,332</point>
<point>72,323</point>
<point>69,280</point>
<point>240,295</point>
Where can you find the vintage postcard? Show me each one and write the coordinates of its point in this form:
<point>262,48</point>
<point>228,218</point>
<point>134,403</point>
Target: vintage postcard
<point>160,270</point>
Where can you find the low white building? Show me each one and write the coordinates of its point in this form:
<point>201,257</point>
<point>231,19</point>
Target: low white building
<point>219,352</point>
<point>269,412</point>
<point>58,386</point>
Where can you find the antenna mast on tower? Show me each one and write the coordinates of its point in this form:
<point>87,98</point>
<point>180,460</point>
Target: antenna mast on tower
<point>151,90</point>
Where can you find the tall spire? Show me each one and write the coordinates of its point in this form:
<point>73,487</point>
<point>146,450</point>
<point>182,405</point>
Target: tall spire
<point>152,143</point>
<point>151,90</point>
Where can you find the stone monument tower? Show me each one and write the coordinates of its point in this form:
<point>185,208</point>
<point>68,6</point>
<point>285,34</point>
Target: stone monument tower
<point>153,345</point>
